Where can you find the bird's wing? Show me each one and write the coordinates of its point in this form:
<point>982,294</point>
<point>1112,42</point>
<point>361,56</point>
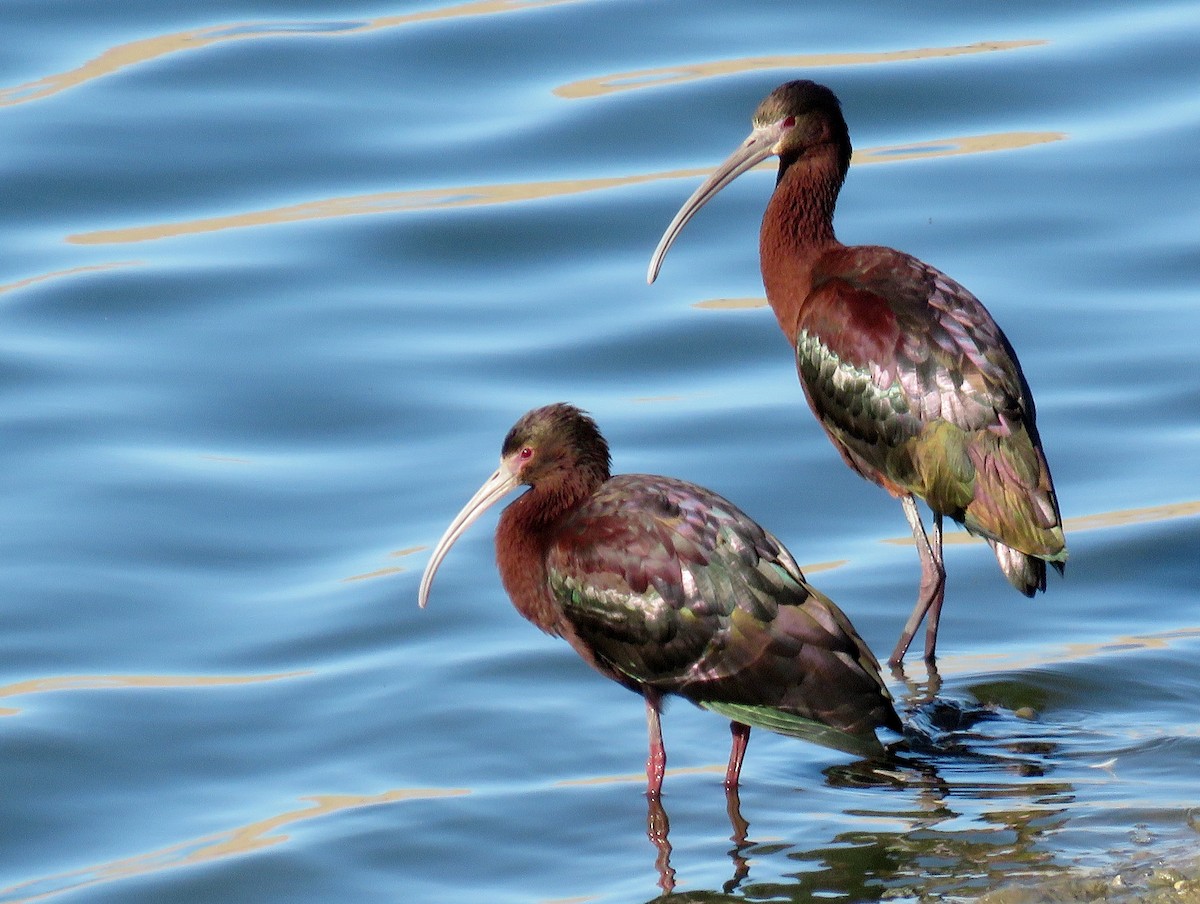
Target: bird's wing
<point>894,344</point>
<point>674,587</point>
<point>921,391</point>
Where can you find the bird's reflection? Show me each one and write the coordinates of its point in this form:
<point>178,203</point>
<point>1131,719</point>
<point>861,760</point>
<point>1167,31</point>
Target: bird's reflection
<point>658,828</point>
<point>917,692</point>
<point>960,761</point>
<point>741,828</point>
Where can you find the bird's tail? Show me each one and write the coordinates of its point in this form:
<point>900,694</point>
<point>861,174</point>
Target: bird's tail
<point>1025,572</point>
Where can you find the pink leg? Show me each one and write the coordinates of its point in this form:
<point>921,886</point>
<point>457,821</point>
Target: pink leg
<point>656,764</point>
<point>933,583</point>
<point>737,752</point>
<point>934,617</point>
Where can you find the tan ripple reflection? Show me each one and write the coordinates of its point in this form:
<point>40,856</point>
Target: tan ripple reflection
<point>508,193</point>
<point>380,202</point>
<point>232,843</point>
<point>135,53</point>
<point>1119,518</point>
<point>645,78</point>
<point>731,304</point>
<point>1055,656</point>
<point>638,777</point>
<point>61,274</point>
<point>384,572</point>
<point>108,682</point>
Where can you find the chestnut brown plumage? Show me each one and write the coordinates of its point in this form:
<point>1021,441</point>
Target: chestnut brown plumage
<point>667,588</point>
<point>913,381</point>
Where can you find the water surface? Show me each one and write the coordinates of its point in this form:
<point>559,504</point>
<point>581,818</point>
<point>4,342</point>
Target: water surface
<point>278,278</point>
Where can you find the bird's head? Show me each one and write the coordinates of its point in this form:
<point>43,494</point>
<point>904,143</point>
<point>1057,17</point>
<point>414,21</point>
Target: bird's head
<point>799,116</point>
<point>791,122</point>
<point>556,449</point>
<point>550,441</point>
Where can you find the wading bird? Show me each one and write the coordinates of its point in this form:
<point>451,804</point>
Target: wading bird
<point>908,373</point>
<point>666,588</point>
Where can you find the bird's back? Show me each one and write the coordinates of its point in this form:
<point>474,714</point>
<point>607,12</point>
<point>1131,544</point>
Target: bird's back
<point>922,393</point>
<point>673,587</point>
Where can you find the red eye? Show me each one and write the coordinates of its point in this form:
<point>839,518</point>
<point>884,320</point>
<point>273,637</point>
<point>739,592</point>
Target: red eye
<point>525,454</point>
<point>788,123</point>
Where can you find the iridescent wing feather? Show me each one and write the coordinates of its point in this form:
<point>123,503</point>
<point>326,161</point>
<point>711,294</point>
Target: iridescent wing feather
<point>673,587</point>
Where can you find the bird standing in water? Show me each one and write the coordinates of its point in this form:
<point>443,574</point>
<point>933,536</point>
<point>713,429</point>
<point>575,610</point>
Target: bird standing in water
<point>908,373</point>
<point>666,588</point>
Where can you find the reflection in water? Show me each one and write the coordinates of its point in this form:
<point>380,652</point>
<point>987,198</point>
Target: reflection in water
<point>232,843</point>
<point>964,814</point>
<point>658,830</point>
<point>136,53</point>
<point>379,202</point>
<point>110,682</point>
<point>645,78</point>
<point>938,853</point>
<point>814,567</point>
<point>1050,657</point>
<point>953,147</point>
<point>916,691</point>
<point>1118,518</point>
<point>974,801</point>
<point>384,572</point>
<point>731,304</point>
<point>640,777</point>
<point>61,274</point>
<point>740,836</point>
<point>509,193</point>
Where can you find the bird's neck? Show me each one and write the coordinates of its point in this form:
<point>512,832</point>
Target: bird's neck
<point>797,228</point>
<point>523,538</point>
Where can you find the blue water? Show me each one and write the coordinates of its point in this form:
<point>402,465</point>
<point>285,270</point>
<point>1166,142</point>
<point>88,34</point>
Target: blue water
<point>277,278</point>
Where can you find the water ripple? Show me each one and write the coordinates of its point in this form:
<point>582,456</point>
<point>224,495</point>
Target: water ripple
<point>56,683</point>
<point>666,75</point>
<point>517,192</point>
<point>145,50</point>
<point>234,842</point>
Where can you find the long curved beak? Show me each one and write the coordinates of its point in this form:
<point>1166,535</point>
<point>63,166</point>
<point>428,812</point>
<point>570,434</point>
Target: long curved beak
<point>758,146</point>
<point>495,487</point>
